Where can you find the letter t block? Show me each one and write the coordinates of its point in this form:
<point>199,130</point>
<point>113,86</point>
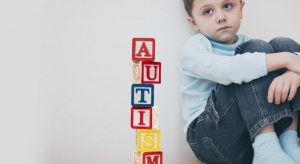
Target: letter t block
<point>142,95</point>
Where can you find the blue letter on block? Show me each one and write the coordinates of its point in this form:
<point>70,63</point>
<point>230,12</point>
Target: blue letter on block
<point>142,95</point>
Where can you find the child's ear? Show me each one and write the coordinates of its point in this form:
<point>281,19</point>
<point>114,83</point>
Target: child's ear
<point>193,23</point>
<point>242,7</point>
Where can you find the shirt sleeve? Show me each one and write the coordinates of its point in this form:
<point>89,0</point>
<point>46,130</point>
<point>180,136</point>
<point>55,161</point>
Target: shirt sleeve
<point>297,53</point>
<point>198,62</point>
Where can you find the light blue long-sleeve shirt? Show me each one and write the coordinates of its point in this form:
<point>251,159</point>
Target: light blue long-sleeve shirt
<point>206,63</point>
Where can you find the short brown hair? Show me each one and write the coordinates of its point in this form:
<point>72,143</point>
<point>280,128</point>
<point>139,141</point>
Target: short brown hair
<point>188,5</point>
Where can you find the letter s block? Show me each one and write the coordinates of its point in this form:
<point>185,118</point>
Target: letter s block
<point>147,157</point>
<point>146,72</point>
<point>148,140</point>
<point>144,117</point>
<point>143,49</point>
<point>142,95</point>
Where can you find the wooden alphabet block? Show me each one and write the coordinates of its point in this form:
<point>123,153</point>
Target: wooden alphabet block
<point>142,95</point>
<point>143,49</point>
<point>146,72</point>
<point>144,117</point>
<point>148,140</point>
<point>147,157</point>
<point>141,117</point>
<point>137,157</point>
<point>155,117</point>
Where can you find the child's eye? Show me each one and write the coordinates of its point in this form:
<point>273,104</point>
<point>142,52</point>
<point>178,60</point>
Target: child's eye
<point>207,12</point>
<point>227,6</point>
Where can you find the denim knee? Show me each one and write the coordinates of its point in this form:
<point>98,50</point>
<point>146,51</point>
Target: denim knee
<point>254,45</point>
<point>283,44</point>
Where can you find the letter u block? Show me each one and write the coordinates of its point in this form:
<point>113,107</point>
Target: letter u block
<point>148,140</point>
<point>146,72</point>
<point>142,95</point>
<point>147,157</point>
<point>143,49</point>
<point>144,117</point>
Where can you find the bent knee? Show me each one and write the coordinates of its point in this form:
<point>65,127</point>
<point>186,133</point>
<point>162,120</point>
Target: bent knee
<point>281,40</point>
<point>284,44</point>
<point>254,45</point>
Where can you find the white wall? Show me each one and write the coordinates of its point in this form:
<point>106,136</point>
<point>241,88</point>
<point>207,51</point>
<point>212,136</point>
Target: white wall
<point>65,74</point>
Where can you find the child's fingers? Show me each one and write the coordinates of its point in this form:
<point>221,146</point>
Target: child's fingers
<point>278,91</point>
<point>271,92</point>
<point>292,93</point>
<point>285,91</point>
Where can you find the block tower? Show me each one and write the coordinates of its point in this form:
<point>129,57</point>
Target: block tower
<point>146,72</point>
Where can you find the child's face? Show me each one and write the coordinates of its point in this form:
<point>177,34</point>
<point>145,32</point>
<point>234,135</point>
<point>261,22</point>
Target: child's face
<point>219,20</point>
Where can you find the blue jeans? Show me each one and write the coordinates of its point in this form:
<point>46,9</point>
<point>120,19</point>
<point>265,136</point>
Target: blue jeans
<point>235,113</point>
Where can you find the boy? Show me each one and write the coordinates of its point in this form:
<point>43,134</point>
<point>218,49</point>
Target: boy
<point>234,89</point>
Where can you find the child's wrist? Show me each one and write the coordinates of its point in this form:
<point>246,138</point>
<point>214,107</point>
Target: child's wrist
<point>288,59</point>
<point>277,61</point>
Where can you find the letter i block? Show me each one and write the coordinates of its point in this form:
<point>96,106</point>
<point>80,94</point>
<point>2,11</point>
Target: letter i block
<point>143,49</point>
<point>141,118</point>
<point>142,95</point>
<point>146,72</point>
<point>144,117</point>
<point>148,140</point>
<point>147,157</point>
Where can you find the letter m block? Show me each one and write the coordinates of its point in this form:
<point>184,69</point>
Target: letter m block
<point>152,158</point>
<point>147,157</point>
<point>142,95</point>
<point>148,140</point>
<point>143,49</point>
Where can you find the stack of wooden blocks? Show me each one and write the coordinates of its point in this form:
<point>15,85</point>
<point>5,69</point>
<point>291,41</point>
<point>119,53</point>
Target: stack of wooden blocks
<point>144,115</point>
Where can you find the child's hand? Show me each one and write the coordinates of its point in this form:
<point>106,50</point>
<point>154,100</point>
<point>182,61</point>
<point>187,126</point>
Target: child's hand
<point>284,86</point>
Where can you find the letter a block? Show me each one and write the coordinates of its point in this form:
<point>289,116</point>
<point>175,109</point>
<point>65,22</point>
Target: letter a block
<point>148,140</point>
<point>144,117</point>
<point>147,157</point>
<point>142,95</point>
<point>143,49</point>
<point>146,72</point>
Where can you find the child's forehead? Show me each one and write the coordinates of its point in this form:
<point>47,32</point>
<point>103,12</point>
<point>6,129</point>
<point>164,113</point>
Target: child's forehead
<point>208,2</point>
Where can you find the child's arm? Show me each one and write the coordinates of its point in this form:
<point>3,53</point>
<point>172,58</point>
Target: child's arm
<point>280,60</point>
<point>198,60</point>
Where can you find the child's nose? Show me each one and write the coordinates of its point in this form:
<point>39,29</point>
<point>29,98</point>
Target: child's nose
<point>220,17</point>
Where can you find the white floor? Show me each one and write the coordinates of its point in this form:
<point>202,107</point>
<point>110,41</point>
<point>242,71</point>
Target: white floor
<point>198,162</point>
<point>190,162</point>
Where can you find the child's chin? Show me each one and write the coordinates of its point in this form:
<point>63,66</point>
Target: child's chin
<point>226,40</point>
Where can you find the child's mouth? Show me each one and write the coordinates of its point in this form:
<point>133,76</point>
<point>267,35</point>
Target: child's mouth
<point>223,28</point>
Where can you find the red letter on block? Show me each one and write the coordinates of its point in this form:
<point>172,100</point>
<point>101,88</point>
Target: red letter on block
<point>151,72</point>
<point>141,118</point>
<point>152,158</point>
<point>143,49</point>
